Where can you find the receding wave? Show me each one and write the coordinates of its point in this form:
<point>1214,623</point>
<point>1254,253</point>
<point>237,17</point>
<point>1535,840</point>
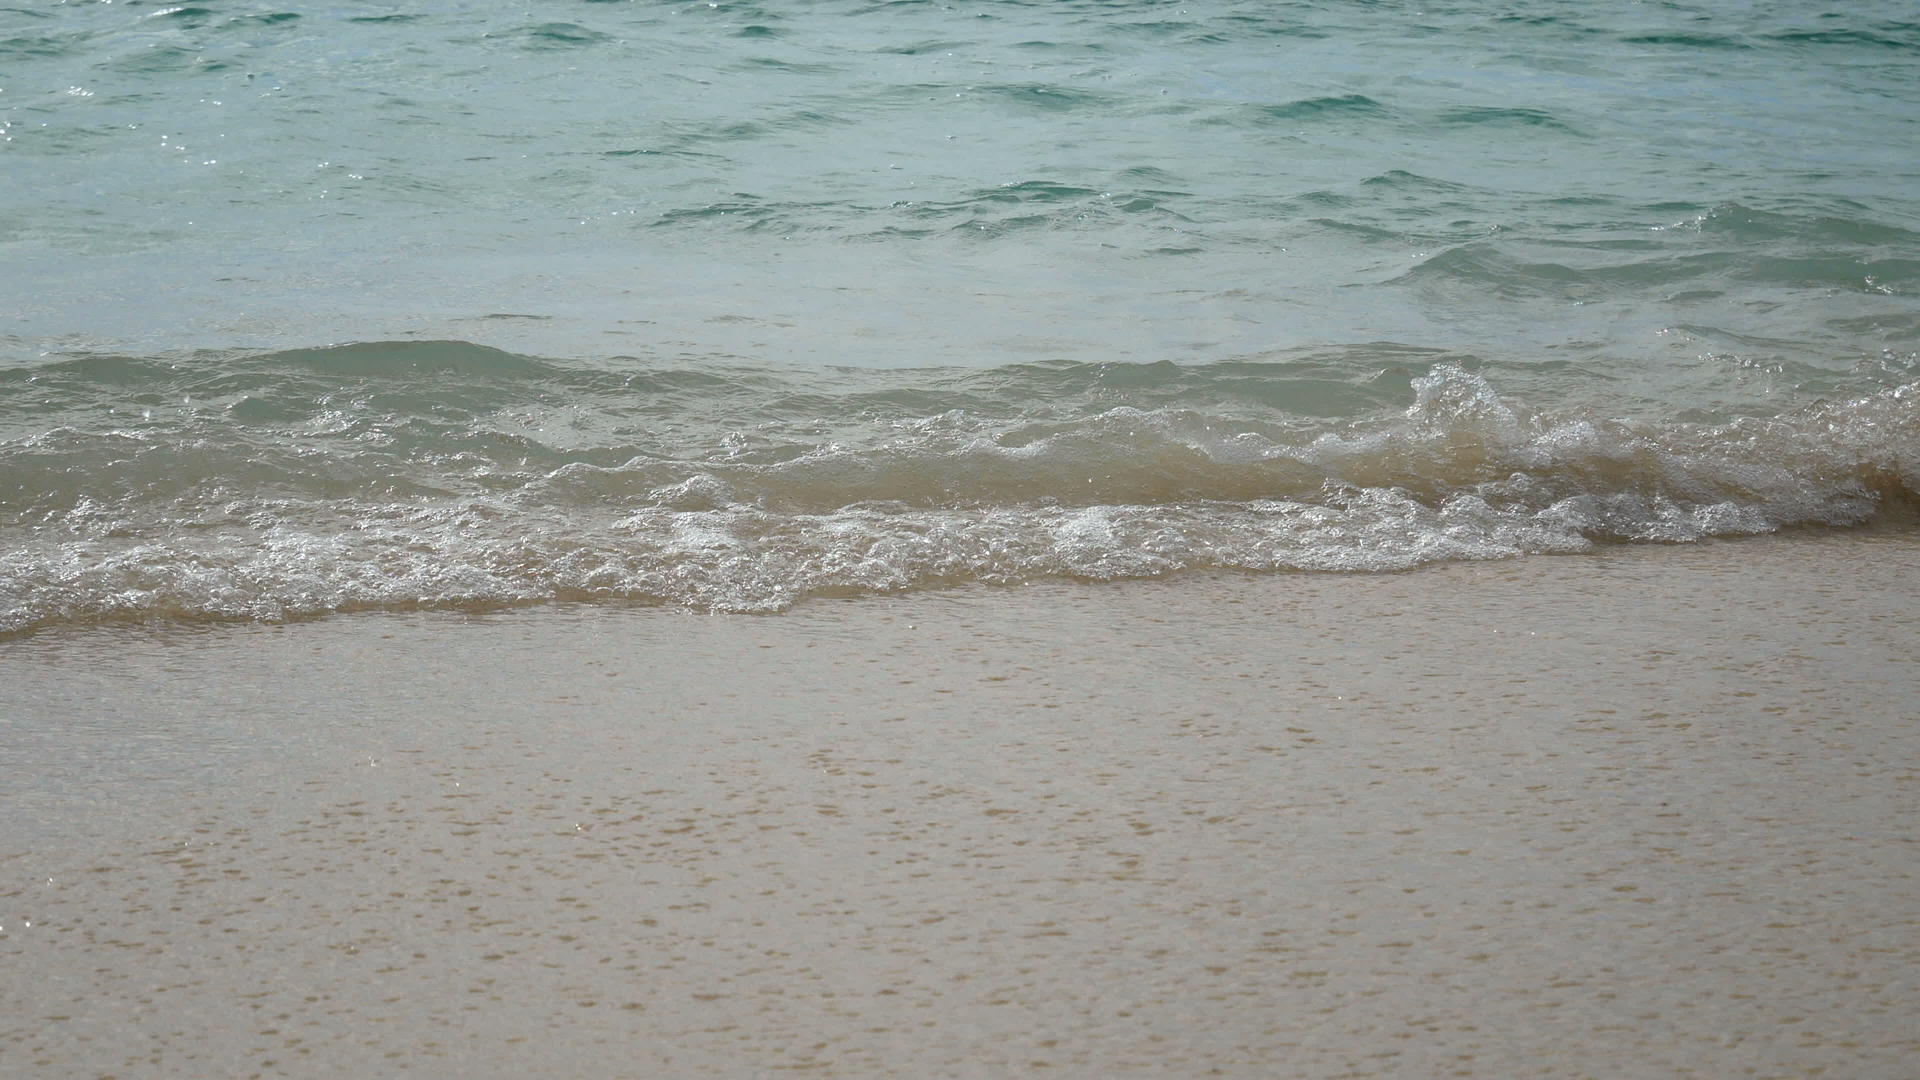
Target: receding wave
<point>439,474</point>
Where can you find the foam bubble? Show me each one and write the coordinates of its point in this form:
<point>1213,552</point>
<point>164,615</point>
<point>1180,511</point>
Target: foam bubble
<point>202,514</point>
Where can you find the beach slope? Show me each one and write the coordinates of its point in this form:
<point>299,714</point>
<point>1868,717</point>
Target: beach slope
<point>1642,813</point>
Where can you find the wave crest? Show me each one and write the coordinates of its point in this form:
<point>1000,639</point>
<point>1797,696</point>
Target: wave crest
<point>223,514</point>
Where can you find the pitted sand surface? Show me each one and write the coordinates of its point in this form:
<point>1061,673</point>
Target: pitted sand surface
<point>1643,814</point>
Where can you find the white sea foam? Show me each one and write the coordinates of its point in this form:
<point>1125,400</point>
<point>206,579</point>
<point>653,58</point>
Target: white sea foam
<point>197,513</point>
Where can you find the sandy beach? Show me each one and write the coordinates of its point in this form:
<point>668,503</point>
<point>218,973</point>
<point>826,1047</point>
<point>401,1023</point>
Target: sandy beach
<point>1643,813</point>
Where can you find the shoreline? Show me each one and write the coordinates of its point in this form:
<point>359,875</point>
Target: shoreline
<point>1640,812</point>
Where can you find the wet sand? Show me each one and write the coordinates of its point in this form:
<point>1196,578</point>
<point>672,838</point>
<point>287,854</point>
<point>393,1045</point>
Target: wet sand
<point>1647,813</point>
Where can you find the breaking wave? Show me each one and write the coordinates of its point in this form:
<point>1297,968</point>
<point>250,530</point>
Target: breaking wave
<point>421,475</point>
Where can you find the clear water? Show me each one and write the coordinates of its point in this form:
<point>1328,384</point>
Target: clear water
<point>347,305</point>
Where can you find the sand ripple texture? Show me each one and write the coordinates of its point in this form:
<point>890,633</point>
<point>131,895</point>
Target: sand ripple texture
<point>1639,819</point>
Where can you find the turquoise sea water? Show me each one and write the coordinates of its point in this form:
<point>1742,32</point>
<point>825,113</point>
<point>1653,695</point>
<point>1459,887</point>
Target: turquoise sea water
<point>308,308</point>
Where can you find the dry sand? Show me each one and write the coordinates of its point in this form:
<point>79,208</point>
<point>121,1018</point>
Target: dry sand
<point>1647,813</point>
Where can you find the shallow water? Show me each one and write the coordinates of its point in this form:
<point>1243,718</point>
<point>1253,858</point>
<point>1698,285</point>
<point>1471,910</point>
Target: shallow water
<point>731,304</point>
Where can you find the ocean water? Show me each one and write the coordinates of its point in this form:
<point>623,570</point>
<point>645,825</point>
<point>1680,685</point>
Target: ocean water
<point>317,307</point>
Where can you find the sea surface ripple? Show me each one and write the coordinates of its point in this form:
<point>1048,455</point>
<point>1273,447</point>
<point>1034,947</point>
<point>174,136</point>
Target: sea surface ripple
<point>728,304</point>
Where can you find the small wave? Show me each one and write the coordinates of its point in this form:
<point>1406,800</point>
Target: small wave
<point>452,484</point>
<point>1488,268</point>
<point>185,14</point>
<point>1839,272</point>
<point>1323,108</point>
<point>1889,36</point>
<point>410,358</point>
<point>1400,180</point>
<point>1838,222</point>
<point>1538,119</point>
<point>552,35</point>
<point>162,59</point>
<point>35,46</point>
<point>1557,22</point>
<point>1686,40</point>
<point>1044,97</point>
<point>921,47</point>
<point>261,19</point>
<point>1805,249</point>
